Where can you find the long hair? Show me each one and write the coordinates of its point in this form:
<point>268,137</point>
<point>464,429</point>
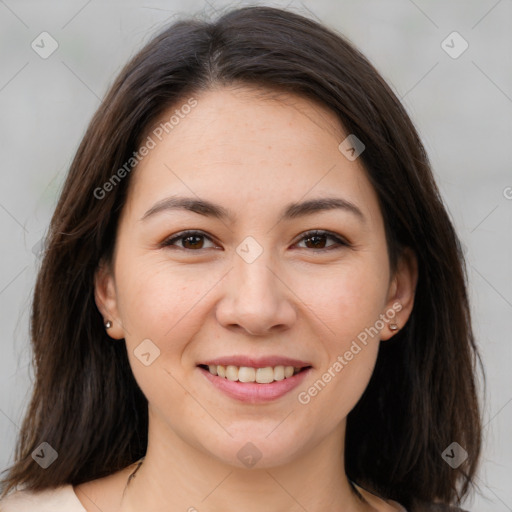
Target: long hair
<point>423,394</point>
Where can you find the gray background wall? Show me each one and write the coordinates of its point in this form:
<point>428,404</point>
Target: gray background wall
<point>462,107</point>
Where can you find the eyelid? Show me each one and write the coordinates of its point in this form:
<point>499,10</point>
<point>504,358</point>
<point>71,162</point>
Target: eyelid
<point>340,241</point>
<point>183,234</point>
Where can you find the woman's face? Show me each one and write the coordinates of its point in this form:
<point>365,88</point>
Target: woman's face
<point>252,288</point>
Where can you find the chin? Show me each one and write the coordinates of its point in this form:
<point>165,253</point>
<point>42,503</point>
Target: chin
<point>255,449</point>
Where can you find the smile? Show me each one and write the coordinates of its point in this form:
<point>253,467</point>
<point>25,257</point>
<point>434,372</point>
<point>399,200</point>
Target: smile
<point>248,374</point>
<point>254,385</point>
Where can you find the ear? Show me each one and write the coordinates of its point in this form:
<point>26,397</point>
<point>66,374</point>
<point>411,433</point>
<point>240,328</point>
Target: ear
<point>401,294</point>
<point>105,296</point>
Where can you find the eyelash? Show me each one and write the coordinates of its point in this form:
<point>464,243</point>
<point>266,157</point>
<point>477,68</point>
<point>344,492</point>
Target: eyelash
<point>309,234</point>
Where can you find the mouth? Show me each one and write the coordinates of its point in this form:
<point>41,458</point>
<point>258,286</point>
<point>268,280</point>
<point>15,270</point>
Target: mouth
<point>254,381</point>
<point>261,375</point>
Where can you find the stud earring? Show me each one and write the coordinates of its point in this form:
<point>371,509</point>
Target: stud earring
<point>108,324</point>
<point>393,327</point>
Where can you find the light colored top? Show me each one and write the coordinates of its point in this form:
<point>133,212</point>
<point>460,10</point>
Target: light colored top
<point>60,499</point>
<point>64,499</point>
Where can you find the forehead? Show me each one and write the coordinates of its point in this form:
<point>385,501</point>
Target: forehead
<point>242,146</point>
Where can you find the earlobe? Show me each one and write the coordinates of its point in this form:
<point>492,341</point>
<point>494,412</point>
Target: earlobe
<point>106,300</point>
<point>401,293</point>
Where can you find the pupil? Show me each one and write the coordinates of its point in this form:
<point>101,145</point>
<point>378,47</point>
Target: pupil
<point>316,237</point>
<point>196,237</point>
<point>316,240</point>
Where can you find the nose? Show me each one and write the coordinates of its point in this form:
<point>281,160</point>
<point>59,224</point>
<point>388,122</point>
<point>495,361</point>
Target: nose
<point>257,298</point>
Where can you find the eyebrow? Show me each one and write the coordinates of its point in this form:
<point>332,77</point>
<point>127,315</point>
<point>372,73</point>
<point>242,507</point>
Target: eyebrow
<point>291,211</point>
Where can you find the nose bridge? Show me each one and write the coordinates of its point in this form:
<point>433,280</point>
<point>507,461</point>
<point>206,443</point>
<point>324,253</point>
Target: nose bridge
<point>254,283</point>
<point>256,300</point>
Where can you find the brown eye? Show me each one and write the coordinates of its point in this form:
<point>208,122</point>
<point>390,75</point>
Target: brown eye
<point>317,240</point>
<point>191,240</point>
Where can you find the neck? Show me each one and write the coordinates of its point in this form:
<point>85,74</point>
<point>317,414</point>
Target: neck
<point>176,476</point>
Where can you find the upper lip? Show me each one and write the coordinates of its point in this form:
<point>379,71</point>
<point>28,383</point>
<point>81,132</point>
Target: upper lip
<point>256,362</point>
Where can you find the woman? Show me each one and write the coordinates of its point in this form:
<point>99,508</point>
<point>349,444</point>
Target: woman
<point>252,296</point>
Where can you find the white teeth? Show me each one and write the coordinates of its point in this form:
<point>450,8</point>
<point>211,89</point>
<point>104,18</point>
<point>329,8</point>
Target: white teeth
<point>265,375</point>
<point>288,371</point>
<point>279,372</point>
<point>231,372</point>
<point>247,374</point>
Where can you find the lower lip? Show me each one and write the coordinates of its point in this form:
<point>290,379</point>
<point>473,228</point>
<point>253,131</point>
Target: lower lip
<point>253,392</point>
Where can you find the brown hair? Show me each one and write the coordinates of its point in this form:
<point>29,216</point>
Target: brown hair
<point>422,395</point>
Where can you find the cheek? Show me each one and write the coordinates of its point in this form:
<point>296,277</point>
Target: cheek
<point>349,305</point>
<point>350,348</point>
<point>161,310</point>
<point>337,387</point>
<point>347,300</point>
<point>156,300</point>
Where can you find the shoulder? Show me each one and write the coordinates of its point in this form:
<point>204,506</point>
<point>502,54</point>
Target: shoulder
<point>60,499</point>
<point>386,505</point>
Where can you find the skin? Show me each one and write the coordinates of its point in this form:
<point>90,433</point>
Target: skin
<point>252,154</point>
